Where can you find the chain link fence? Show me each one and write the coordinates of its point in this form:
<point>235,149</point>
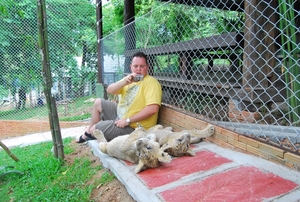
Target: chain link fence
<point>231,63</point>
<point>73,59</point>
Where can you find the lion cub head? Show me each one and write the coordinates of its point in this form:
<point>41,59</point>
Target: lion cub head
<point>150,154</point>
<point>179,146</point>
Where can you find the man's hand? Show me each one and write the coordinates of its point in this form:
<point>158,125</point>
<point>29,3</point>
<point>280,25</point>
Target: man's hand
<point>130,78</point>
<point>114,88</point>
<point>122,123</point>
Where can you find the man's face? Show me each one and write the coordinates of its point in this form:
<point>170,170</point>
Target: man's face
<point>139,66</point>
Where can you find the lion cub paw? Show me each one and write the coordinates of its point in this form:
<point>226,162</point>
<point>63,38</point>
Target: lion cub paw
<point>103,147</point>
<point>210,129</point>
<point>99,135</point>
<point>164,157</point>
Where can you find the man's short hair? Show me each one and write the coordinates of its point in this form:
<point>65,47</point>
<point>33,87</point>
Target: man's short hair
<point>140,54</point>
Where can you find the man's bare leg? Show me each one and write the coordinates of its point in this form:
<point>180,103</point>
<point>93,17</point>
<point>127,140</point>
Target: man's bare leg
<point>96,112</point>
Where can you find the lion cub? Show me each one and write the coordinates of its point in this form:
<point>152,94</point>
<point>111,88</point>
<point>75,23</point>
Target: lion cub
<point>135,147</point>
<point>178,143</point>
<point>151,155</point>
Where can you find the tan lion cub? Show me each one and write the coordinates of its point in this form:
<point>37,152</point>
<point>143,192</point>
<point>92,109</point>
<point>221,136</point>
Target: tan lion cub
<point>178,143</point>
<point>151,155</point>
<point>136,148</point>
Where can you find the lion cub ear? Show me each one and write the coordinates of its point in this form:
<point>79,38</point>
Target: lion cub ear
<point>140,167</point>
<point>190,152</point>
<point>165,147</point>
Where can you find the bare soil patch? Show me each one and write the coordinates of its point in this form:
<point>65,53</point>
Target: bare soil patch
<point>113,191</point>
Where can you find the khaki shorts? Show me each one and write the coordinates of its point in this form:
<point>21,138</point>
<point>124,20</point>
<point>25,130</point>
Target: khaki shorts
<point>108,117</point>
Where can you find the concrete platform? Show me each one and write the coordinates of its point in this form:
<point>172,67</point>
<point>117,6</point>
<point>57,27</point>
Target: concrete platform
<point>36,138</point>
<point>214,174</point>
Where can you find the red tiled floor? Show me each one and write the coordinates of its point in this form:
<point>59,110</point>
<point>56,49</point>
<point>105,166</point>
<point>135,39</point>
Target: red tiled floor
<point>127,163</point>
<point>240,184</point>
<point>180,167</point>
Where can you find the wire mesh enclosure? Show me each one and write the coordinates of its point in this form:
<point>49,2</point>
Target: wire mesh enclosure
<point>234,63</point>
<point>73,55</point>
<point>231,63</point>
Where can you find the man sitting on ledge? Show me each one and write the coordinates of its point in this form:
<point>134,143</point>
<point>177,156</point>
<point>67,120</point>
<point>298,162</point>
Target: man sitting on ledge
<point>140,99</point>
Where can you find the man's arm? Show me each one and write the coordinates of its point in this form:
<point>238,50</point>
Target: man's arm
<point>146,112</point>
<point>115,88</point>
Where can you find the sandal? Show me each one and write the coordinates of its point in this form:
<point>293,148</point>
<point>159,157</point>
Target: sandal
<point>90,137</point>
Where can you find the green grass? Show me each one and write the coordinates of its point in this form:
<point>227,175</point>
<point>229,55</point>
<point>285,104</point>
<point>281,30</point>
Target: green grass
<point>77,109</point>
<point>76,117</point>
<point>47,178</point>
<point>23,114</point>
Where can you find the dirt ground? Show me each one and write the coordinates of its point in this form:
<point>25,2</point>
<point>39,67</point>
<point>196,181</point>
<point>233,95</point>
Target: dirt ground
<point>113,191</point>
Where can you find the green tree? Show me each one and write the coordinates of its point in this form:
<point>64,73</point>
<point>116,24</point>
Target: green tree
<point>18,54</point>
<point>70,26</point>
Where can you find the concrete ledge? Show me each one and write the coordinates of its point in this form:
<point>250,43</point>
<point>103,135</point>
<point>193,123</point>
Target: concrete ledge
<point>141,193</point>
<point>228,138</point>
<point>134,186</point>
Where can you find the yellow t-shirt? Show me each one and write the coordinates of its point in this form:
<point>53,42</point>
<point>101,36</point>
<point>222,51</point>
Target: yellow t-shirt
<point>134,97</point>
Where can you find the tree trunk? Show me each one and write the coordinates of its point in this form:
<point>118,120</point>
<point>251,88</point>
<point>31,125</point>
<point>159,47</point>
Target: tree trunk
<point>47,79</point>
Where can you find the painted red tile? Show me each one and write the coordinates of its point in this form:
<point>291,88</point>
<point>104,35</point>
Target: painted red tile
<point>240,184</point>
<point>180,167</point>
<point>128,163</point>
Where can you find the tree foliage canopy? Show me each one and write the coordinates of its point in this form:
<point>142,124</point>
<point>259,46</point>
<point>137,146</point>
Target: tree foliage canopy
<point>70,25</point>
<point>72,33</point>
